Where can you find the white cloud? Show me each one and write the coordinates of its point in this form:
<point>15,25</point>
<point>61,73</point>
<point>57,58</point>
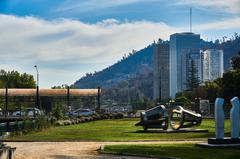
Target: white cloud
<point>230,6</point>
<point>65,49</point>
<point>233,23</point>
<point>95,4</point>
<point>70,45</point>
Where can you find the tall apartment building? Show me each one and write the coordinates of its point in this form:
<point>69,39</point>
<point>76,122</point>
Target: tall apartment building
<point>212,63</point>
<point>161,71</point>
<point>195,57</point>
<point>181,46</point>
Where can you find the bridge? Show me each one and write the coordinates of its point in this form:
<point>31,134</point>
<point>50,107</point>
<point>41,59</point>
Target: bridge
<point>36,93</point>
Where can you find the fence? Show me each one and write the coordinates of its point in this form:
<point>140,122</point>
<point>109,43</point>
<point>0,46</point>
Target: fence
<point>46,99</point>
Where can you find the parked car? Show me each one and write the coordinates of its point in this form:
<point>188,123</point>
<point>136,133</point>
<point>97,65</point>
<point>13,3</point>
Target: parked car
<point>27,112</point>
<point>31,111</point>
<point>1,112</point>
<point>18,113</point>
<point>82,112</point>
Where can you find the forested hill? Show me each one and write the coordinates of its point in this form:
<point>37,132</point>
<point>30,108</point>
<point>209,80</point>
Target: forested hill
<point>137,62</point>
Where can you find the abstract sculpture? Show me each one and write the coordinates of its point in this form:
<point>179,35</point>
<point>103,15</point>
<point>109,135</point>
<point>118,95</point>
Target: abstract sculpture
<point>234,117</point>
<point>156,117</point>
<point>179,118</point>
<point>219,123</point>
<point>219,118</point>
<point>182,118</point>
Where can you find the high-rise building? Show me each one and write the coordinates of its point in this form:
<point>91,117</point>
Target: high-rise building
<point>194,56</point>
<point>161,71</point>
<point>181,45</point>
<point>212,64</point>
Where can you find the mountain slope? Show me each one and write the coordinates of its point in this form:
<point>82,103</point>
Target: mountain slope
<point>140,63</point>
<point>129,67</point>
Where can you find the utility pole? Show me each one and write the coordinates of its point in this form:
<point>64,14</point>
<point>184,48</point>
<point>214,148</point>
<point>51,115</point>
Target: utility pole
<point>37,89</point>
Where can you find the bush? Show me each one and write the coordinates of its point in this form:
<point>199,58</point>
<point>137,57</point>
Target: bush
<point>83,119</point>
<point>41,123</point>
<point>57,112</point>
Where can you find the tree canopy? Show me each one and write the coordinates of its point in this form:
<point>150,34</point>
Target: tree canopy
<point>14,79</point>
<point>235,61</point>
<point>192,81</point>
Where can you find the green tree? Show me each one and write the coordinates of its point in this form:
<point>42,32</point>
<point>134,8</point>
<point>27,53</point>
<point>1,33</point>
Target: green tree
<point>183,100</point>
<point>57,112</point>
<point>231,84</point>
<point>214,90</point>
<point>235,61</point>
<point>63,86</point>
<point>192,81</point>
<point>13,79</point>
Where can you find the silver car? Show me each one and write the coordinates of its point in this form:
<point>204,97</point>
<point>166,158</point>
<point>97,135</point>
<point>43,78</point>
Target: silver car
<point>82,112</point>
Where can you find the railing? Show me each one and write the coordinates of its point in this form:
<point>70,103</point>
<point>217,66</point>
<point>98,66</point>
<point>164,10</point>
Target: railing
<point>17,126</point>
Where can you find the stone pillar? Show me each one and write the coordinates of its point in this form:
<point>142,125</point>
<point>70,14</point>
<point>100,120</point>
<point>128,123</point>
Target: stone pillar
<point>219,118</point>
<point>234,117</point>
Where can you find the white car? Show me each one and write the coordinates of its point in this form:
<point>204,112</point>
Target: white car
<point>30,111</point>
<point>18,113</point>
<point>27,112</point>
<point>83,112</point>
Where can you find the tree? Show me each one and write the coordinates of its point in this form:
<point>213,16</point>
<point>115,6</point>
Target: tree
<point>57,112</point>
<point>63,86</point>
<point>235,61</point>
<point>183,100</point>
<point>231,84</point>
<point>192,81</point>
<point>13,79</point>
<point>214,90</point>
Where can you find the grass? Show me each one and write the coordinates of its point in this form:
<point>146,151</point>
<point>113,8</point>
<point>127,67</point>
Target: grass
<point>115,130</point>
<point>184,151</point>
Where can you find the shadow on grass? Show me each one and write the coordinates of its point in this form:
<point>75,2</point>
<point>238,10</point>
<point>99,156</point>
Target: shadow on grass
<point>172,131</point>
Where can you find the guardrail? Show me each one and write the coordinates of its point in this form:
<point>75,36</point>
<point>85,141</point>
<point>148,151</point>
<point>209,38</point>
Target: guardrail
<point>16,126</point>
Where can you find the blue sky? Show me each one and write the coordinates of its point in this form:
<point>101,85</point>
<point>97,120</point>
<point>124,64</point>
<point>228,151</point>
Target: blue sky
<point>67,38</point>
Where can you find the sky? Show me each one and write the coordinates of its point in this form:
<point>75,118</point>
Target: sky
<point>68,38</point>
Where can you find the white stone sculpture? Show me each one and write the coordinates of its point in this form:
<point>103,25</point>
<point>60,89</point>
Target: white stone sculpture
<point>234,117</point>
<point>219,118</point>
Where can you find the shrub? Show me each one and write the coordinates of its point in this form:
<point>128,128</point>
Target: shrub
<point>57,112</point>
<point>41,123</point>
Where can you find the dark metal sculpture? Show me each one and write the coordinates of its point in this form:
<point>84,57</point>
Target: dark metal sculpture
<point>182,118</point>
<point>156,117</point>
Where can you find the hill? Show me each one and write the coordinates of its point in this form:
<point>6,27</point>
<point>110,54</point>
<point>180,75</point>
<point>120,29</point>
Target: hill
<point>128,67</point>
<point>135,71</point>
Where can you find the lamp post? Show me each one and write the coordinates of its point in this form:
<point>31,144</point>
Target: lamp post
<point>37,93</point>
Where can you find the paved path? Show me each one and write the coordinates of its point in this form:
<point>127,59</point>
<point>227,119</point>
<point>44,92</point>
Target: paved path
<point>70,150</point>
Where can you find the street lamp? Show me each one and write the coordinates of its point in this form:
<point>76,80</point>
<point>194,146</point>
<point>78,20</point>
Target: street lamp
<point>37,75</point>
<point>37,93</point>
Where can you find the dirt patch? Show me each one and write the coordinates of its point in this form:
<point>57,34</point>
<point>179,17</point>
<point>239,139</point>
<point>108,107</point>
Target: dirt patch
<point>69,150</point>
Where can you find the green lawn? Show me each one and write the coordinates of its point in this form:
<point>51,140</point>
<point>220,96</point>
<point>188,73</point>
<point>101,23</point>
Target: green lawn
<point>184,151</point>
<point>115,130</point>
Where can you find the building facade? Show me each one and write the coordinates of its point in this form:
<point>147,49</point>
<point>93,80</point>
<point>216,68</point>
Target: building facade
<point>195,57</point>
<point>212,64</point>
<point>161,71</point>
<point>182,45</point>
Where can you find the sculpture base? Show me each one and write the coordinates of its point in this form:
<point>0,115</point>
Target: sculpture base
<point>224,141</point>
<point>218,145</point>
